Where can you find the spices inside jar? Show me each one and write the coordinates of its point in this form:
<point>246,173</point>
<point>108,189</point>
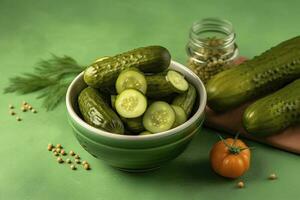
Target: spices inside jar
<point>211,47</point>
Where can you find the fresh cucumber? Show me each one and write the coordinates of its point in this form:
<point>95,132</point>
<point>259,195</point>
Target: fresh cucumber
<point>159,117</point>
<point>131,79</point>
<point>145,133</point>
<point>131,103</point>
<point>97,113</point>
<point>274,112</point>
<point>186,100</point>
<point>252,79</point>
<point>134,125</point>
<point>164,84</point>
<point>180,116</point>
<point>150,59</point>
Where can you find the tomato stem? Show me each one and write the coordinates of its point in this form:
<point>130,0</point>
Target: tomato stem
<point>232,148</point>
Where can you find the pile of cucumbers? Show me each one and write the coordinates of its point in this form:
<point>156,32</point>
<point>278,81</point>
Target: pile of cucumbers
<point>271,80</point>
<point>135,93</point>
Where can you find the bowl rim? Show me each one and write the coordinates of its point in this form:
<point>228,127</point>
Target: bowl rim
<point>107,134</point>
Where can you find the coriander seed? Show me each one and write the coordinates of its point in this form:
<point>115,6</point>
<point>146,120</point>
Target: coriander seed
<point>77,161</point>
<point>240,184</point>
<point>12,112</point>
<point>84,162</point>
<point>11,106</point>
<point>63,152</point>
<point>56,154</point>
<point>68,160</point>
<point>33,111</point>
<point>29,107</point>
<point>53,149</point>
<point>59,146</point>
<point>73,167</point>
<point>72,153</point>
<point>58,150</point>
<point>23,109</point>
<point>19,119</point>
<point>60,160</point>
<point>272,176</point>
<point>77,156</point>
<point>50,147</point>
<point>86,166</point>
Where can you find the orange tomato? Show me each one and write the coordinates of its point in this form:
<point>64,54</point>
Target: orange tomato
<point>230,158</point>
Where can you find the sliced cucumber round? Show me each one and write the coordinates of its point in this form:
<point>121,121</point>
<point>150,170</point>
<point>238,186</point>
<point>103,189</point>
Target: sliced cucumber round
<point>159,117</point>
<point>131,79</point>
<point>131,103</point>
<point>180,116</point>
<point>145,133</point>
<point>177,80</point>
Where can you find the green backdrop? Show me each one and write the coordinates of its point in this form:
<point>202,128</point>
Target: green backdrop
<point>85,30</point>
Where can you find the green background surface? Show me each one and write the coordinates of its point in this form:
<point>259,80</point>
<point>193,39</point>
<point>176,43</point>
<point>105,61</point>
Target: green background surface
<point>85,30</point>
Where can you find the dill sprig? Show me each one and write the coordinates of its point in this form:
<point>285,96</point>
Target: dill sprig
<point>51,77</point>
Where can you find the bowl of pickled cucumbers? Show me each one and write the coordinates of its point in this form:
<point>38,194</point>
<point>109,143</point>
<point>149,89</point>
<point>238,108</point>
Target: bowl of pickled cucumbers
<point>136,110</point>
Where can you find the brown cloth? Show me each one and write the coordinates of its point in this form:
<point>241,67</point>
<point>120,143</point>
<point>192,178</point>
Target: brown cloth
<point>231,122</point>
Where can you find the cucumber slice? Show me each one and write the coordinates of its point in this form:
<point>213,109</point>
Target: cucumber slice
<point>159,117</point>
<point>145,133</point>
<point>180,116</point>
<point>177,80</point>
<point>131,103</point>
<point>134,125</point>
<point>131,79</point>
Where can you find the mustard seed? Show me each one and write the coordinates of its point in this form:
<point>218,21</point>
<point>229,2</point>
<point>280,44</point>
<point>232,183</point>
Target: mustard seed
<point>59,146</point>
<point>77,161</point>
<point>68,160</point>
<point>23,109</point>
<point>12,112</point>
<point>77,156</point>
<point>60,160</point>
<point>58,150</point>
<point>72,153</point>
<point>18,118</point>
<point>33,111</point>
<point>272,176</point>
<point>53,149</point>
<point>56,154</point>
<point>50,147</point>
<point>29,107</point>
<point>240,184</point>
<point>86,166</point>
<point>24,103</point>
<point>73,167</point>
<point>11,106</point>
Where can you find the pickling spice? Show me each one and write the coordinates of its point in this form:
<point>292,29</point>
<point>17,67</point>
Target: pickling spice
<point>211,47</point>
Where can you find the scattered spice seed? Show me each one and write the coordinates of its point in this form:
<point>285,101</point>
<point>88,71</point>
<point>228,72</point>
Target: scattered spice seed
<point>77,156</point>
<point>33,111</point>
<point>24,103</point>
<point>11,106</point>
<point>77,161</point>
<point>23,109</point>
<point>60,160</point>
<point>12,112</point>
<point>240,184</point>
<point>72,153</point>
<point>29,107</point>
<point>59,146</point>
<point>63,152</point>
<point>73,167</point>
<point>53,149</point>
<point>86,166</point>
<point>84,162</point>
<point>50,147</point>
<point>68,160</point>
<point>18,118</point>
<point>272,176</point>
<point>56,154</point>
<point>58,150</point>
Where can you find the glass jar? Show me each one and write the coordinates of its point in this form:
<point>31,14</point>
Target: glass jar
<point>211,47</point>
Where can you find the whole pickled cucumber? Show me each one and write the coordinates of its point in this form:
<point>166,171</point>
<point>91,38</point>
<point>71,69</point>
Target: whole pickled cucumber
<point>97,113</point>
<point>275,112</point>
<point>150,59</point>
<point>186,100</point>
<point>254,78</point>
<point>134,125</point>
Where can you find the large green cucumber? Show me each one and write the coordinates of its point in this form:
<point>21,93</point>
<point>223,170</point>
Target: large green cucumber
<point>254,78</point>
<point>97,113</point>
<point>274,112</point>
<point>150,59</point>
<point>186,100</point>
<point>164,84</point>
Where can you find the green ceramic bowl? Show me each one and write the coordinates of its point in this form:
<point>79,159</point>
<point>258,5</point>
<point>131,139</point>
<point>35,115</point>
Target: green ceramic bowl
<point>136,153</point>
